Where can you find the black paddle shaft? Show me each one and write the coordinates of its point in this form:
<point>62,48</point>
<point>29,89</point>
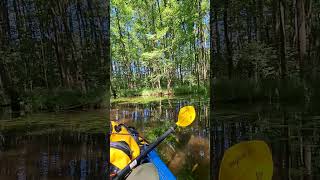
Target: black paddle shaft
<point>135,162</point>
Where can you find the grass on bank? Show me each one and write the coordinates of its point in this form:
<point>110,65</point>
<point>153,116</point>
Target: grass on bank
<point>139,99</point>
<point>144,96</point>
<point>42,123</point>
<point>62,99</point>
<point>225,90</point>
<point>178,90</point>
<point>265,91</point>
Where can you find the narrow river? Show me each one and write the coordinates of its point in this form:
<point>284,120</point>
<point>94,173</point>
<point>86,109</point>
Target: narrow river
<point>71,145</point>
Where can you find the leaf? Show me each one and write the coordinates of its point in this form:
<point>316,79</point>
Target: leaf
<point>194,167</point>
<point>161,32</point>
<point>156,54</point>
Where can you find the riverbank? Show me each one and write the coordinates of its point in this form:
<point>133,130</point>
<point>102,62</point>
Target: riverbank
<point>158,92</point>
<point>232,91</point>
<point>225,91</point>
<point>54,100</point>
<point>93,121</point>
<point>271,91</point>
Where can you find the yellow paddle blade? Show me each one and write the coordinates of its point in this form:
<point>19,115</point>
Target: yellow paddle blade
<point>186,116</point>
<point>250,160</point>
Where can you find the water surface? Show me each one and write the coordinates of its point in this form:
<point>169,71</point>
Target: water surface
<point>71,145</point>
<point>68,145</point>
<point>291,131</point>
<point>186,152</point>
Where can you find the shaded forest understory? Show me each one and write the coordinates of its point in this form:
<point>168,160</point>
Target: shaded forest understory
<point>53,54</point>
<point>265,50</point>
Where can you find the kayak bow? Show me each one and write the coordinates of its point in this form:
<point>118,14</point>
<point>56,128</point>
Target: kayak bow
<point>163,171</point>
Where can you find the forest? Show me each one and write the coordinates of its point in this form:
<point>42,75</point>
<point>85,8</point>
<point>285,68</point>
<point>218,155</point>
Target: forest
<point>261,50</point>
<point>265,50</point>
<point>57,56</point>
<point>53,54</point>
<point>159,47</point>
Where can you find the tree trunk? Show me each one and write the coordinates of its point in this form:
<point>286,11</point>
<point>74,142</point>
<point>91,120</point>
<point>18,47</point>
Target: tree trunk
<point>217,34</point>
<point>81,63</point>
<point>261,33</point>
<point>6,79</point>
<point>308,161</point>
<point>124,55</point>
<point>227,41</point>
<point>283,62</point>
<point>213,17</point>
<point>301,30</point>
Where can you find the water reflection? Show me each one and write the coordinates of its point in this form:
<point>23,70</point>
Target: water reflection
<point>60,155</point>
<point>292,133</point>
<point>189,157</point>
<point>293,137</point>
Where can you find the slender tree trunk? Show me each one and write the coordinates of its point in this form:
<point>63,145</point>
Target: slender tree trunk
<point>216,36</point>
<point>81,64</point>
<point>283,61</point>
<point>301,30</point>
<point>212,123</point>
<point>124,55</point>
<point>44,65</point>
<point>59,56</point>
<point>227,41</point>
<point>308,161</point>
<point>159,9</point>
<point>249,25</point>
<point>254,18</point>
<point>6,79</point>
<point>261,25</point>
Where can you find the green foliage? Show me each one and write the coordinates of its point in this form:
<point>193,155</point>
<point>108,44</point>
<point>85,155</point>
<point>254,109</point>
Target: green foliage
<point>64,58</point>
<point>60,99</point>
<point>42,123</point>
<point>229,90</point>
<point>154,39</point>
<point>153,92</point>
<point>129,92</point>
<point>142,92</point>
<point>177,90</point>
<point>258,60</point>
<point>265,90</point>
<point>153,133</point>
<point>153,55</point>
<point>139,99</point>
<point>186,90</point>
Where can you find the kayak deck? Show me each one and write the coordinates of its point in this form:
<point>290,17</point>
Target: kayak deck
<point>163,171</point>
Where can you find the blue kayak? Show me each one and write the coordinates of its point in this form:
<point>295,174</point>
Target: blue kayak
<point>163,171</point>
<point>151,168</point>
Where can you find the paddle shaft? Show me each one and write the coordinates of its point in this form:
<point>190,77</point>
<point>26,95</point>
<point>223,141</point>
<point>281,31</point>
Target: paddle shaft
<point>135,162</point>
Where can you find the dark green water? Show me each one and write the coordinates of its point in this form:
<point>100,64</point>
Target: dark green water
<point>72,145</point>
<point>292,132</point>
<point>53,146</point>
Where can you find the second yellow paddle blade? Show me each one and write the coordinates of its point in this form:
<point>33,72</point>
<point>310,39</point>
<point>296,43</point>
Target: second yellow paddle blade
<point>186,116</point>
<point>250,160</point>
